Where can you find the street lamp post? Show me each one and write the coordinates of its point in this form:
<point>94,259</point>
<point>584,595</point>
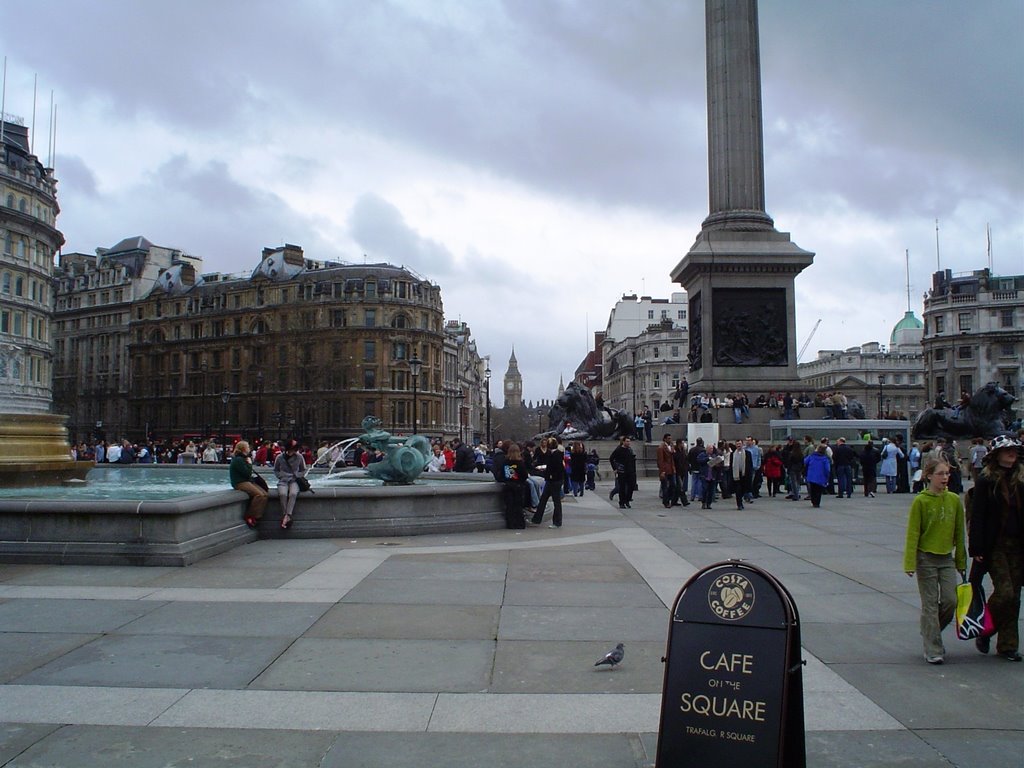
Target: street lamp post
<point>203,423</point>
<point>415,366</point>
<point>460,397</point>
<point>259,405</point>
<point>540,419</point>
<point>487,379</point>
<point>225,396</point>
<point>881,381</point>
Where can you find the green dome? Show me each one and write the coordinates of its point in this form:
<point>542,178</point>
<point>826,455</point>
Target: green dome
<point>900,330</point>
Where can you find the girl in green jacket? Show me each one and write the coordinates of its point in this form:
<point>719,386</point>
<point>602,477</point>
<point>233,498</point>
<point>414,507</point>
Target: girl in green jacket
<point>935,550</point>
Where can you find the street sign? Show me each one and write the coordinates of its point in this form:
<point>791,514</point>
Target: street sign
<point>733,688</point>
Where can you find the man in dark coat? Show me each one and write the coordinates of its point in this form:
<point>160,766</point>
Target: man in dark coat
<point>465,457</point>
<point>623,462</point>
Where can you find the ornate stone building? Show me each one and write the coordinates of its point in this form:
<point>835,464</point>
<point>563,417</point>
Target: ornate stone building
<point>644,352</point>
<point>973,332</point>
<point>465,381</point>
<point>298,348</point>
<point>28,241</point>
<point>94,295</point>
<point>888,381</point>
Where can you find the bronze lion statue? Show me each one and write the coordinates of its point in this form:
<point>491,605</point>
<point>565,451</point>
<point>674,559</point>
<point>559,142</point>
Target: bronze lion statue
<point>987,415</point>
<point>577,416</point>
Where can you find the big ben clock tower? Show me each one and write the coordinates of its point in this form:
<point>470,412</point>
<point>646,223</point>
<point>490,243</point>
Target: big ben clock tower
<point>513,383</point>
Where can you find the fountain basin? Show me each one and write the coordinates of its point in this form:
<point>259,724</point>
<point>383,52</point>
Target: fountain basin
<point>180,531</point>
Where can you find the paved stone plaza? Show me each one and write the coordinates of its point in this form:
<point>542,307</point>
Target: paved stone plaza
<point>478,649</point>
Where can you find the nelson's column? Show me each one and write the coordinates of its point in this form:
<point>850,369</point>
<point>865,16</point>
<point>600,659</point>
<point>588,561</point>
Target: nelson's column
<point>739,272</point>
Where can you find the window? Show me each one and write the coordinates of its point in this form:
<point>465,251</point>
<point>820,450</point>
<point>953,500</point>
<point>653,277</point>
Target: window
<point>400,380</point>
<point>681,314</point>
<point>964,321</point>
<point>940,383</point>
<point>657,352</point>
<point>19,286</point>
<point>5,283</point>
<point>369,378</point>
<point>664,314</point>
<point>338,318</point>
<point>282,355</point>
<point>967,384</point>
<point>657,384</point>
<point>675,351</point>
<point>400,321</point>
<point>371,289</point>
<point>940,355</point>
<point>1006,350</point>
<point>940,324</point>
<point>371,318</point>
<point>1006,318</point>
<point>965,353</point>
<point>369,351</point>
<point>398,351</point>
<point>650,314</point>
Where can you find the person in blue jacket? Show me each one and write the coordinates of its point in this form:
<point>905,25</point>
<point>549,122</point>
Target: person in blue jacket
<point>817,469</point>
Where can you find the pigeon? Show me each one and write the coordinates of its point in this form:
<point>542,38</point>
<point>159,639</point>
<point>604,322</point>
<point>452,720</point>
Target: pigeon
<point>613,656</point>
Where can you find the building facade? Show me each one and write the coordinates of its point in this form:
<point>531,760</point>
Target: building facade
<point>29,238</point>
<point>973,332</point>
<point>94,295</point>
<point>887,381</point>
<point>645,369</point>
<point>298,348</point>
<point>466,381</point>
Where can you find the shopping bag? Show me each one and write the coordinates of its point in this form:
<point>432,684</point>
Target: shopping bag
<point>973,619</point>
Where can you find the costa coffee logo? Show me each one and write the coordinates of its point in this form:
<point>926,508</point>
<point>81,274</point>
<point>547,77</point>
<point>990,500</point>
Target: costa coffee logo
<point>731,596</point>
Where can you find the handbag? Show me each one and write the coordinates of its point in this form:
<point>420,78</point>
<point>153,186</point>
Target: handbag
<point>973,618</point>
<point>259,482</point>
<point>303,484</point>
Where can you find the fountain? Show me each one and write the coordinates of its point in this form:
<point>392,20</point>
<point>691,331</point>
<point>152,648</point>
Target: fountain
<point>381,501</point>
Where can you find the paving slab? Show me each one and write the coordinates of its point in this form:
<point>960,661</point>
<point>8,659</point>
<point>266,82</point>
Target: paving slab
<point>568,667</point>
<point>616,572</point>
<point>991,748</point>
<point>822,584</point>
<point>885,643</point>
<point>978,693</point>
<point>273,553</point>
<point>90,575</point>
<point>569,554</point>
<point>579,594</point>
<point>301,710</point>
<point>857,608</point>
<point>582,623</point>
<point>87,705</point>
<point>111,747</point>
<point>404,568</point>
<point>473,750</point>
<point>871,749</point>
<point>238,578</point>
<point>227,619</point>
<point>421,622</point>
<point>71,616</point>
<point>21,652</point>
<point>161,661</point>
<point>328,664</point>
<point>423,591</point>
<point>15,738</point>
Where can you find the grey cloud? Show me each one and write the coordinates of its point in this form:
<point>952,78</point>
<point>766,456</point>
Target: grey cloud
<point>74,176</point>
<point>379,228</point>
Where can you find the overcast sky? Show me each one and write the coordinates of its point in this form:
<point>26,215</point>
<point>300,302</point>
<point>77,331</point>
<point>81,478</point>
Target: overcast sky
<point>536,158</point>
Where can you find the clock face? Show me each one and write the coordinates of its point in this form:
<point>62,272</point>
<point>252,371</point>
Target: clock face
<point>509,386</point>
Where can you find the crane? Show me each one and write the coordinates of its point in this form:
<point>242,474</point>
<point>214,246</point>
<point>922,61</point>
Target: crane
<point>803,347</point>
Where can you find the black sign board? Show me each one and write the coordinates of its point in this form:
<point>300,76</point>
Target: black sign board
<point>733,690</point>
